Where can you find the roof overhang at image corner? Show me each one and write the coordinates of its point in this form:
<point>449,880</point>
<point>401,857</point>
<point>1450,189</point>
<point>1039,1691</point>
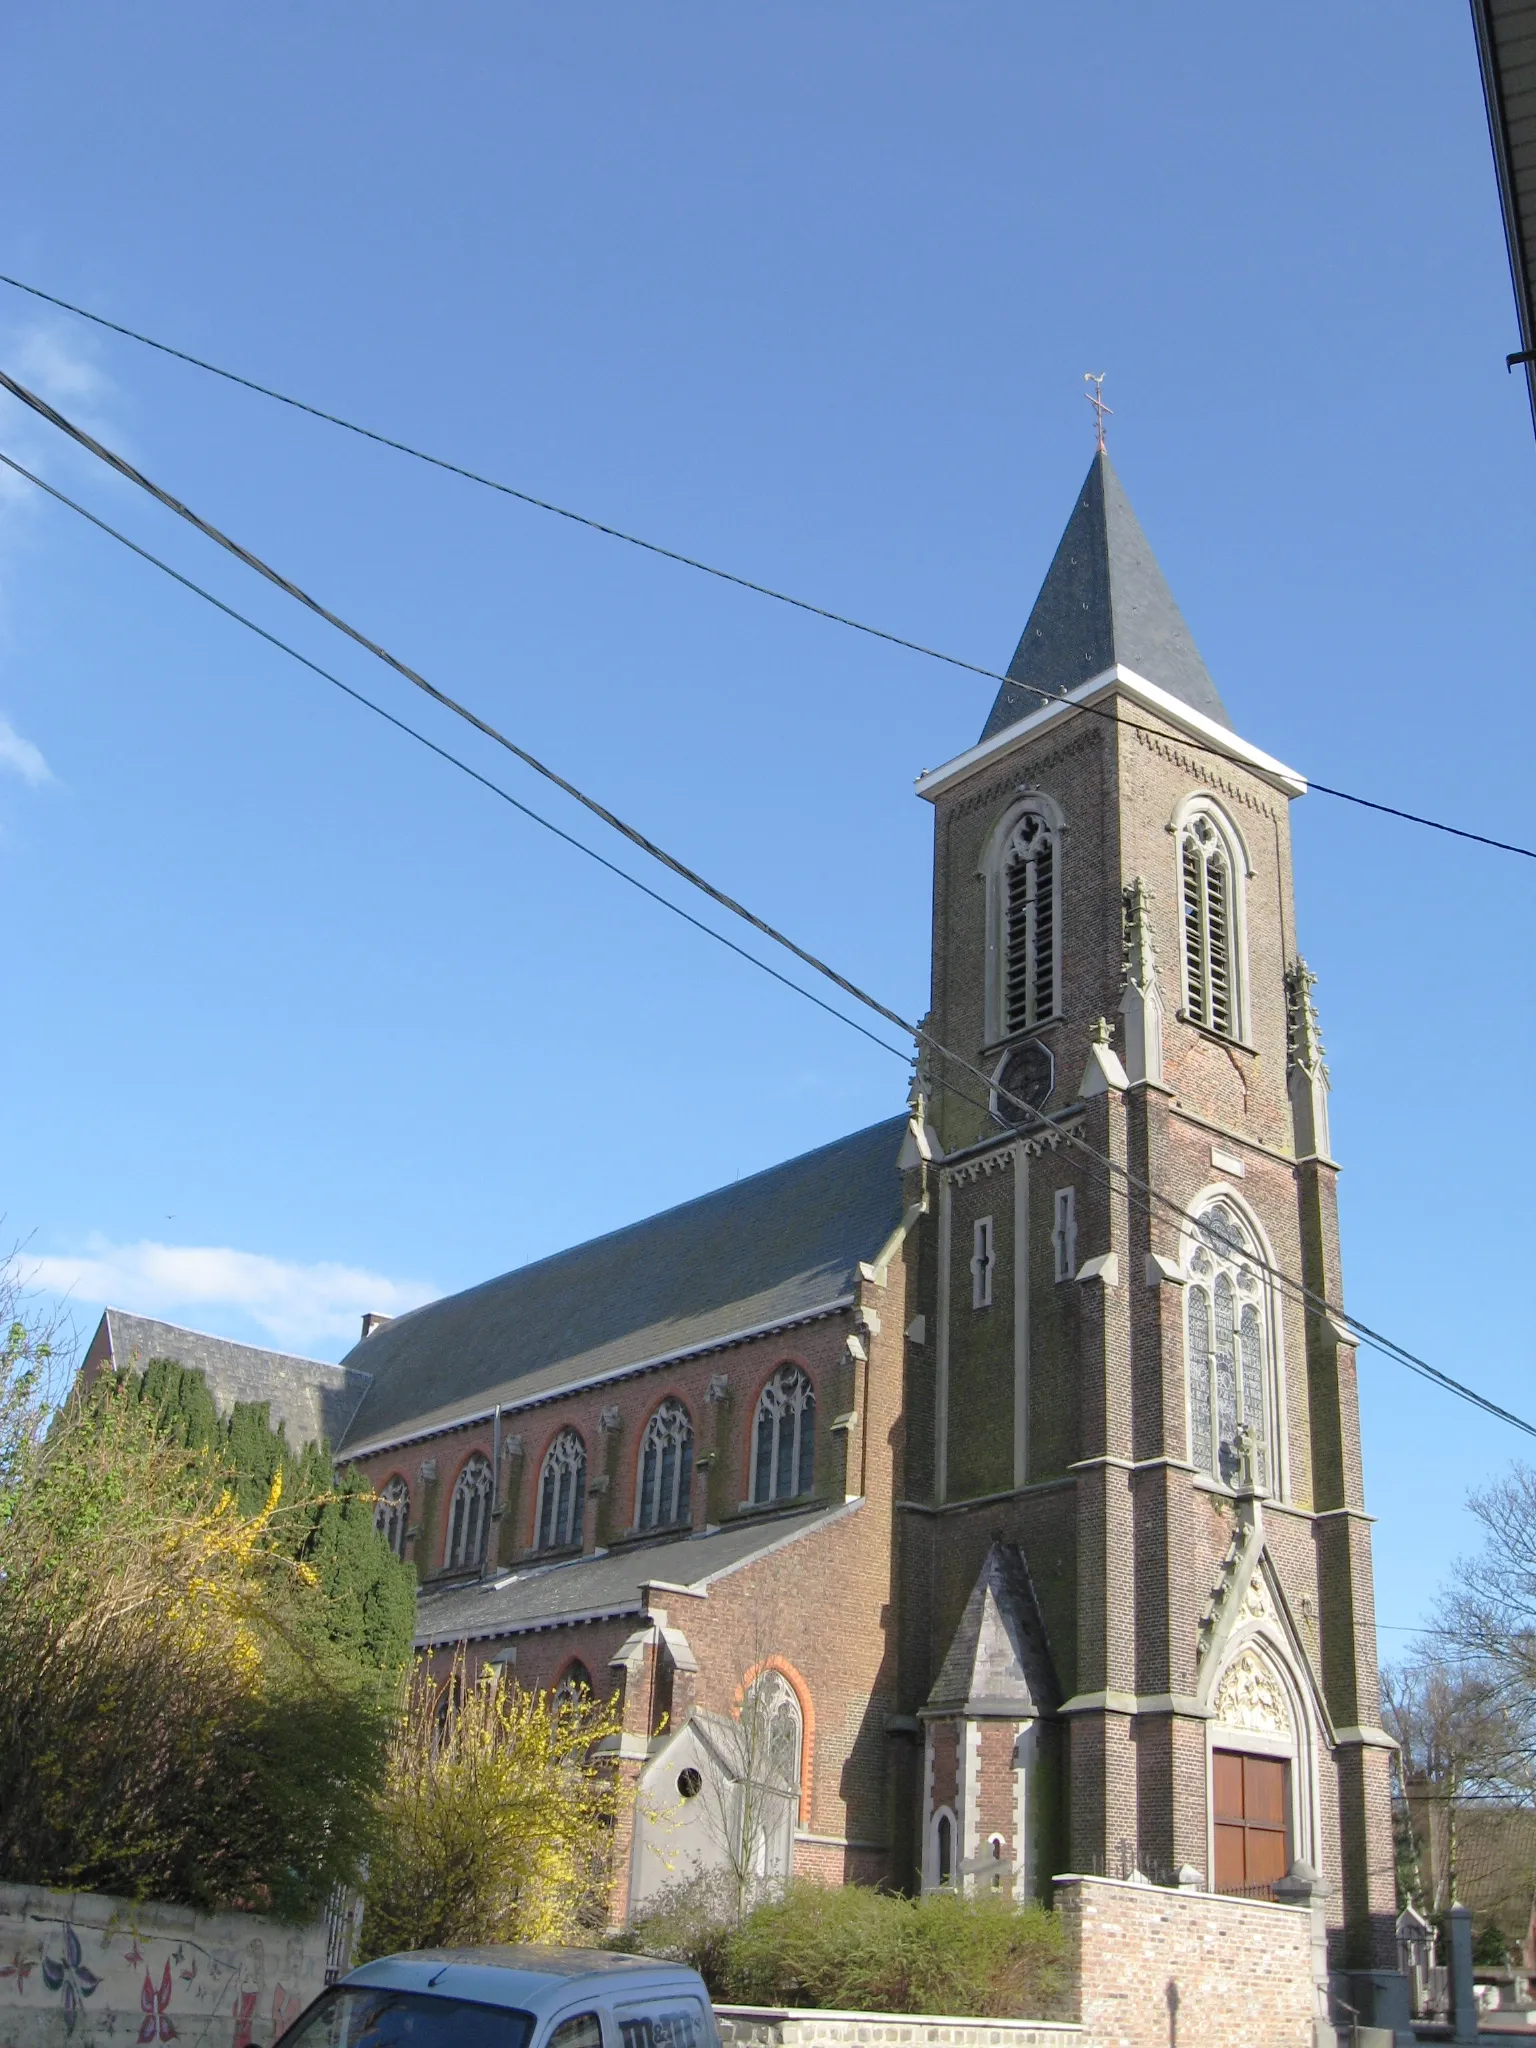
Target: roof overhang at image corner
<point>1506,48</point>
<point>1219,739</point>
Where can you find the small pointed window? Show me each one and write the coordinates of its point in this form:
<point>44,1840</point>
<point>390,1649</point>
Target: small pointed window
<point>391,1513</point>
<point>666,1468</point>
<point>982,1262</point>
<point>784,1437</point>
<point>575,1688</point>
<point>1208,884</point>
<point>1029,907</point>
<point>562,1492</point>
<point>943,1849</point>
<point>470,1517</point>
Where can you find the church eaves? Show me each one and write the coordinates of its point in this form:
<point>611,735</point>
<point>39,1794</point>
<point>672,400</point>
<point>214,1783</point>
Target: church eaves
<point>1104,600</point>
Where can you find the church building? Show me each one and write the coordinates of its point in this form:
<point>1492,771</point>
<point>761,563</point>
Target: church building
<point>977,1498</point>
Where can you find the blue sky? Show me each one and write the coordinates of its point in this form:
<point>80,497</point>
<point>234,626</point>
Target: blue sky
<point>300,1022</point>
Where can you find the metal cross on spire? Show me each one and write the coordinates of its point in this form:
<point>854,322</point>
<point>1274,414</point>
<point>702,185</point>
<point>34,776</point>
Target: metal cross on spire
<point>1095,398</point>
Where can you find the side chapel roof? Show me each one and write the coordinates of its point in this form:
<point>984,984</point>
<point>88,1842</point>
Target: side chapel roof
<point>778,1245</point>
<point>306,1397</point>
<point>1104,600</point>
<point>609,1585</point>
<point>999,1661</point>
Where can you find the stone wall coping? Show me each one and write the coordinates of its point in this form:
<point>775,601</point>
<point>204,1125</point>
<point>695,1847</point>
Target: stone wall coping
<point>98,1909</point>
<point>912,2026</point>
<point>1162,1891</point>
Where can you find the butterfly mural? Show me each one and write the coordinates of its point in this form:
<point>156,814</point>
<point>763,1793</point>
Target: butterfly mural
<point>68,1973</point>
<point>156,2024</point>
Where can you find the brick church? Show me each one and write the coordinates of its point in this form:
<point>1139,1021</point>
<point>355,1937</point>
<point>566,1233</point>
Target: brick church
<point>973,1499</point>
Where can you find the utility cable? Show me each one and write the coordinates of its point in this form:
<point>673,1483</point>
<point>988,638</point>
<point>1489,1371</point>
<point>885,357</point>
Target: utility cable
<point>1388,1346</point>
<point>724,575</point>
<point>455,760</point>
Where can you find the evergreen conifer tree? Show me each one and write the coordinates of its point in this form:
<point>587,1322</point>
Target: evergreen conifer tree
<point>325,1520</point>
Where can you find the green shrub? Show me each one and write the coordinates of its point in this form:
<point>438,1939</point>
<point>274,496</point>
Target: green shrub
<point>860,1950</point>
<point>688,1922</point>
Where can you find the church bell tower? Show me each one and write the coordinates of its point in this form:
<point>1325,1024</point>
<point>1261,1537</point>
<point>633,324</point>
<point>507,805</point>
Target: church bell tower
<point>1136,1562</point>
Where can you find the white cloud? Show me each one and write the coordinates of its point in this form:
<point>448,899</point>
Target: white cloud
<point>294,1304</point>
<point>21,756</point>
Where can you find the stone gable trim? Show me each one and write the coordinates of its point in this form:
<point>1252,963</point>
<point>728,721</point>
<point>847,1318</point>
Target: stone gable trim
<point>1208,778</point>
<point>660,1363</point>
<point>1220,741</point>
<point>1009,785</point>
<point>983,1500</point>
<point>995,1153</point>
<point>1204,1123</point>
<point>1136,1703</point>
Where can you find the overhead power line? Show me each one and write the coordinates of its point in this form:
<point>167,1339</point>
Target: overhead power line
<point>1106,1170</point>
<point>686,561</point>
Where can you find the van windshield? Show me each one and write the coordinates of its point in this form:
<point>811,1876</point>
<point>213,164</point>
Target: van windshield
<point>367,2016</point>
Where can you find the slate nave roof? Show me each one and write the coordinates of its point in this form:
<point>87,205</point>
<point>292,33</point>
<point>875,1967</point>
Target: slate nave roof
<point>777,1245</point>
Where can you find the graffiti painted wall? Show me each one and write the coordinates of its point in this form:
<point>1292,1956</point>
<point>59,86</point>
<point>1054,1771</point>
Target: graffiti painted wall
<point>79,1971</point>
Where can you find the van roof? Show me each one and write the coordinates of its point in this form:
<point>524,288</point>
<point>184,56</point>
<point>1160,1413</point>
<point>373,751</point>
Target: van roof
<point>534,1979</point>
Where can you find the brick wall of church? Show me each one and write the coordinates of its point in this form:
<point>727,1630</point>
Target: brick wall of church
<point>820,1609</point>
<point>611,1419</point>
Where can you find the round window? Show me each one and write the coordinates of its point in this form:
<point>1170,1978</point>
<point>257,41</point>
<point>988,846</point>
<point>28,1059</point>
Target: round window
<point>689,1782</point>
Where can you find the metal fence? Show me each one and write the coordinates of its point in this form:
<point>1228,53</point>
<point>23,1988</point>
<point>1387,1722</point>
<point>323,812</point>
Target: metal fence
<point>343,1918</point>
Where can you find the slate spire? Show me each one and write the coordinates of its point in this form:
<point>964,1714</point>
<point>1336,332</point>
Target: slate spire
<point>1104,600</point>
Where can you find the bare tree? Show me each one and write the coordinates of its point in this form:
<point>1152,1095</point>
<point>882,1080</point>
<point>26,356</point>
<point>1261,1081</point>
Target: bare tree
<point>37,1348</point>
<point>1456,1744</point>
<point>751,1800</point>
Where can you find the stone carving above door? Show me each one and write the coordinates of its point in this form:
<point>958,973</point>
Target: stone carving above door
<point>1250,1697</point>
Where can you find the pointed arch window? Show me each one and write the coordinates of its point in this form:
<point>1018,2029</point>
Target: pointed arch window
<point>1227,1317</point>
<point>666,1468</point>
<point>784,1437</point>
<point>1211,867</point>
<point>943,1870</point>
<point>1029,905</point>
<point>575,1687</point>
<point>562,1492</point>
<point>392,1512</point>
<point>470,1516</point>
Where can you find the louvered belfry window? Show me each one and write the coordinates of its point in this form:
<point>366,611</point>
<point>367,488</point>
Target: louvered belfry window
<point>1029,919</point>
<point>1209,978</point>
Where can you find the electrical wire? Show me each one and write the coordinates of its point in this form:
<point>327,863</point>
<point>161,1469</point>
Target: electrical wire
<point>722,575</point>
<point>1104,1168</point>
<point>446,754</point>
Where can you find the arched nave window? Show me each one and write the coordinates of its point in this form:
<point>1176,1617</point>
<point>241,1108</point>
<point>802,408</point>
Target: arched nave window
<point>470,1516</point>
<point>1211,871</point>
<point>391,1513</point>
<point>666,1467</point>
<point>1228,1315</point>
<point>562,1492</point>
<point>784,1437</point>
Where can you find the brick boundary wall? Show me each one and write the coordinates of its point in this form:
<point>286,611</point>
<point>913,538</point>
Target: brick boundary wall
<point>76,1968</point>
<point>1153,1967</point>
<point>752,2026</point>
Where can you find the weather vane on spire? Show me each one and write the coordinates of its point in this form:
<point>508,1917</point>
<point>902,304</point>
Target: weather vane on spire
<point>1095,398</point>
